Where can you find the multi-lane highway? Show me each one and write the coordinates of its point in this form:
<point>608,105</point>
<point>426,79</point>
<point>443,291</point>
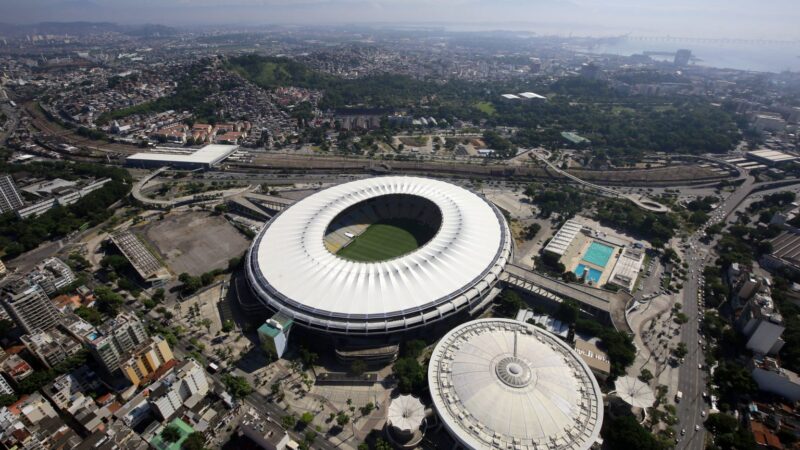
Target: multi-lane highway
<point>693,372</point>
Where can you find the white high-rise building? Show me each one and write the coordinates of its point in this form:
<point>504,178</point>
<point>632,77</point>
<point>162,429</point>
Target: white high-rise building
<point>30,307</point>
<point>185,386</point>
<point>10,199</point>
<point>116,339</point>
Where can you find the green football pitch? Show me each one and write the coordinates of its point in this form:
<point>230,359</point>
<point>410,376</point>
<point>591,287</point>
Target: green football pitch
<point>387,239</point>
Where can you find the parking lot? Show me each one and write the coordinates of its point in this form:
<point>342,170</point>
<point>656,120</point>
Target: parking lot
<point>196,241</point>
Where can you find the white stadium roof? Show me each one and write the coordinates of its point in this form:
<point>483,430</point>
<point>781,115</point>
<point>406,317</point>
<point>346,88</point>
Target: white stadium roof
<point>500,383</point>
<point>208,155</point>
<point>291,270</point>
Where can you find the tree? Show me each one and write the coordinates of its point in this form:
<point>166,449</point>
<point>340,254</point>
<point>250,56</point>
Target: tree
<point>568,311</point>
<point>108,301</point>
<point>414,348</point>
<point>721,423</point>
<point>645,376</point>
<point>227,326</point>
<point>158,295</point>
<point>7,399</point>
<point>410,375</point>
<point>5,327</point>
<point>289,421</point>
<point>115,262</point>
<point>681,350</point>
<point>237,386</point>
<point>342,418</point>
<point>306,418</point>
<point>170,433</point>
<point>90,315</point>
<point>367,409</point>
<point>510,303</point>
<point>195,441</point>
<point>626,432</point>
<point>358,367</point>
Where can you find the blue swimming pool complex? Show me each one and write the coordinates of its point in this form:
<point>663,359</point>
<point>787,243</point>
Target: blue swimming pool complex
<point>592,275</point>
<point>598,254</point>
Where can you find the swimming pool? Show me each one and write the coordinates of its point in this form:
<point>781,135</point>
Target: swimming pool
<point>592,275</point>
<point>598,254</point>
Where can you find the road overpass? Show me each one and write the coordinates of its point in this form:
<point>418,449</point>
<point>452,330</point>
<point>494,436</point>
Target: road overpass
<point>605,305</point>
<point>608,192</point>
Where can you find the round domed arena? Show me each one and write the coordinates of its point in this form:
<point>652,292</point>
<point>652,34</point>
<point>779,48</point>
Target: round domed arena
<point>379,256</point>
<point>500,383</point>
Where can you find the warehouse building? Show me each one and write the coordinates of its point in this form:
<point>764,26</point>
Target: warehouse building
<point>181,158</point>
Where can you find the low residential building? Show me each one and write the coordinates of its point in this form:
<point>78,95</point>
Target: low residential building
<point>771,377</point>
<point>596,358</point>
<point>68,390</point>
<point>16,368</point>
<point>5,388</point>
<point>51,347</point>
<point>34,424</point>
<point>763,325</point>
<point>51,274</point>
<point>266,433</point>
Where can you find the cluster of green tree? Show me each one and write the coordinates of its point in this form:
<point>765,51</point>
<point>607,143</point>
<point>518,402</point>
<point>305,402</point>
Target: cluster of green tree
<point>729,433</point>
<point>20,235</point>
<point>509,303</point>
<point>742,244</point>
<point>704,204</point>
<point>734,383</point>
<point>503,147</point>
<point>550,263</point>
<point>770,204</point>
<point>624,215</point>
<point>188,96</point>
<point>716,291</point>
<point>564,200</point>
<point>622,124</point>
<point>790,352</point>
<point>685,126</point>
<point>237,386</point>
<point>532,230</point>
<point>91,133</point>
<point>40,378</point>
<point>192,284</point>
<point>411,376</point>
<point>626,432</point>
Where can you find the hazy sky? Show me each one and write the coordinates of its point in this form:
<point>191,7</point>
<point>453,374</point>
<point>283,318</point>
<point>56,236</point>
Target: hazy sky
<point>772,19</point>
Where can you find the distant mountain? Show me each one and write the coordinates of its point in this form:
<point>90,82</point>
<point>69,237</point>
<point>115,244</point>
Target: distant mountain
<point>85,28</point>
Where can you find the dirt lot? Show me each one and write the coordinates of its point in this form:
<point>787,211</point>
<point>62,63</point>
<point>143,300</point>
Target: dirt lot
<point>195,242</point>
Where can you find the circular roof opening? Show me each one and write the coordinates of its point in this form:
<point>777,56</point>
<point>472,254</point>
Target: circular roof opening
<point>383,228</point>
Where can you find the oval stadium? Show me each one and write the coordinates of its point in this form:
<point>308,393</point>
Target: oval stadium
<point>380,256</point>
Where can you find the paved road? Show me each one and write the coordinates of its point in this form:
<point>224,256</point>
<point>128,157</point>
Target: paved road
<point>692,379</point>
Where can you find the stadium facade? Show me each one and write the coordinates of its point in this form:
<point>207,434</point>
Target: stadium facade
<point>295,265</point>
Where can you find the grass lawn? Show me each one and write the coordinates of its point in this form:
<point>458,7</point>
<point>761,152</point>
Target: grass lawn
<point>386,240</point>
<point>486,108</point>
